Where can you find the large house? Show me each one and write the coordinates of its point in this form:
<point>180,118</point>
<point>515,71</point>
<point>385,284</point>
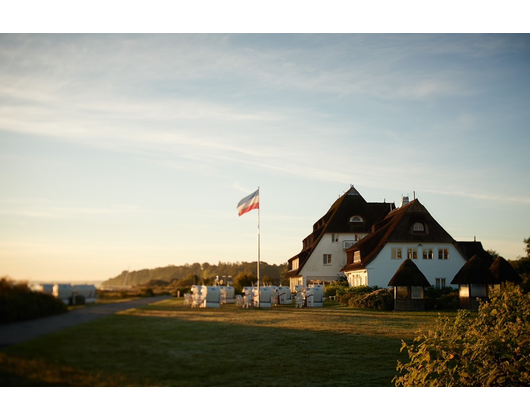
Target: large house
<point>368,242</point>
<point>323,253</point>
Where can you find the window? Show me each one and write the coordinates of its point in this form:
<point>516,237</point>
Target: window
<point>443,254</point>
<point>428,254</point>
<point>356,219</point>
<point>295,264</point>
<point>418,227</point>
<point>327,259</point>
<point>463,290</point>
<point>334,237</point>
<point>357,257</point>
<point>396,254</point>
<point>440,283</point>
<point>416,292</point>
<point>402,292</point>
<point>412,253</point>
<point>479,290</point>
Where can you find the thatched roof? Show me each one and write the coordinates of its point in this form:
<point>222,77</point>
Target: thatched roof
<point>338,220</point>
<point>475,271</point>
<point>408,274</point>
<point>504,271</point>
<point>469,249</point>
<point>398,227</point>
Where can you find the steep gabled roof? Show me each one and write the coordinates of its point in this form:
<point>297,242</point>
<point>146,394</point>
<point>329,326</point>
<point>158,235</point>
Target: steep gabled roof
<point>504,271</point>
<point>398,226</point>
<point>408,274</point>
<point>338,220</point>
<point>469,249</point>
<point>475,271</point>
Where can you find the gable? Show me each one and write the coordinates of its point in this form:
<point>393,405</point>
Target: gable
<point>410,223</point>
<point>504,271</point>
<point>350,213</point>
<point>408,274</point>
<point>475,271</point>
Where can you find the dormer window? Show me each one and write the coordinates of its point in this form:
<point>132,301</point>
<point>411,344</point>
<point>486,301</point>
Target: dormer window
<point>356,219</point>
<point>418,227</point>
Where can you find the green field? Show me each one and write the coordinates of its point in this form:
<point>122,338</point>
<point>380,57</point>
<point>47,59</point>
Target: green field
<point>168,344</point>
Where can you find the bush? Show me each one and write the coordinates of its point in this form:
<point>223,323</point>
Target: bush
<point>337,288</point>
<point>440,299</point>
<point>382,299</point>
<point>490,349</point>
<point>19,303</point>
<point>353,293</point>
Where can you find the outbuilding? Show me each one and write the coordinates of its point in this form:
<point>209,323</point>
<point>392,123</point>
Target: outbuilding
<point>409,285</point>
<point>504,272</point>
<point>474,280</point>
<point>88,292</point>
<point>64,292</point>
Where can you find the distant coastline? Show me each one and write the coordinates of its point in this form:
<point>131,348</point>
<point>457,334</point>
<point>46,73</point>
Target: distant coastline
<point>96,283</point>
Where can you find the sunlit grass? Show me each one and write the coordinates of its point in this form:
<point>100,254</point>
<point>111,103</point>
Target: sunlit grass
<point>167,344</point>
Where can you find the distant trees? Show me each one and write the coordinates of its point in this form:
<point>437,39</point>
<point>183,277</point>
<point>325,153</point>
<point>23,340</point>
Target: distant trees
<point>494,254</point>
<point>204,273</point>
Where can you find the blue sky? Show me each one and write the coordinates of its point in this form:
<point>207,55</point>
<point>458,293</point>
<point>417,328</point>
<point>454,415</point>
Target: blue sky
<point>132,151</point>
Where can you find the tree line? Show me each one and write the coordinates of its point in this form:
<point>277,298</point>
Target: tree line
<point>201,273</point>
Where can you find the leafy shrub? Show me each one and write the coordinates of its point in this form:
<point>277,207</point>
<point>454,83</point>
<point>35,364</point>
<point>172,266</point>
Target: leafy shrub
<point>19,303</point>
<point>382,299</point>
<point>337,288</point>
<point>439,299</point>
<point>353,293</point>
<point>490,349</point>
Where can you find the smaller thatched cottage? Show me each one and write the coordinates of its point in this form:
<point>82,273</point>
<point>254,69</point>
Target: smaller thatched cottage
<point>474,280</point>
<point>409,287</point>
<point>504,272</point>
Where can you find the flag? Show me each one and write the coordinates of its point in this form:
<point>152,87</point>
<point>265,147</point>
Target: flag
<point>250,202</point>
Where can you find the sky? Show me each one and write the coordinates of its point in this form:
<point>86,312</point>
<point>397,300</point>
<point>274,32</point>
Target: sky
<point>131,151</point>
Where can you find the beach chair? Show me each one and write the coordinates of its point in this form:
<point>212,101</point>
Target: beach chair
<point>299,300</point>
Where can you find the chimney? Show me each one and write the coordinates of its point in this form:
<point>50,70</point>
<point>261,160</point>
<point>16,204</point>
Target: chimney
<point>404,200</point>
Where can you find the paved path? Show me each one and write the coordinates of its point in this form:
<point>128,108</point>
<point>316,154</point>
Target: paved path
<point>26,330</point>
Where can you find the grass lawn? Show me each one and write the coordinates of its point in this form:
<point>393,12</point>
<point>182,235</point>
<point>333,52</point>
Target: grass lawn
<point>168,344</point>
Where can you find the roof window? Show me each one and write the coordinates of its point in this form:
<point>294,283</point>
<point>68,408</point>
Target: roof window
<point>418,227</point>
<point>356,219</point>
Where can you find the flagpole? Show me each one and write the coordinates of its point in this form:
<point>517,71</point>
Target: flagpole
<point>258,248</point>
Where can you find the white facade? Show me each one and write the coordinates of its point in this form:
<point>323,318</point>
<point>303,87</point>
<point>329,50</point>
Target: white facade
<point>327,259</point>
<point>439,262</point>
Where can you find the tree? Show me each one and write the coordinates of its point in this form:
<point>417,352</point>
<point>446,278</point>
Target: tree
<point>244,280</point>
<point>527,247</point>
<point>491,349</point>
<point>494,254</point>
